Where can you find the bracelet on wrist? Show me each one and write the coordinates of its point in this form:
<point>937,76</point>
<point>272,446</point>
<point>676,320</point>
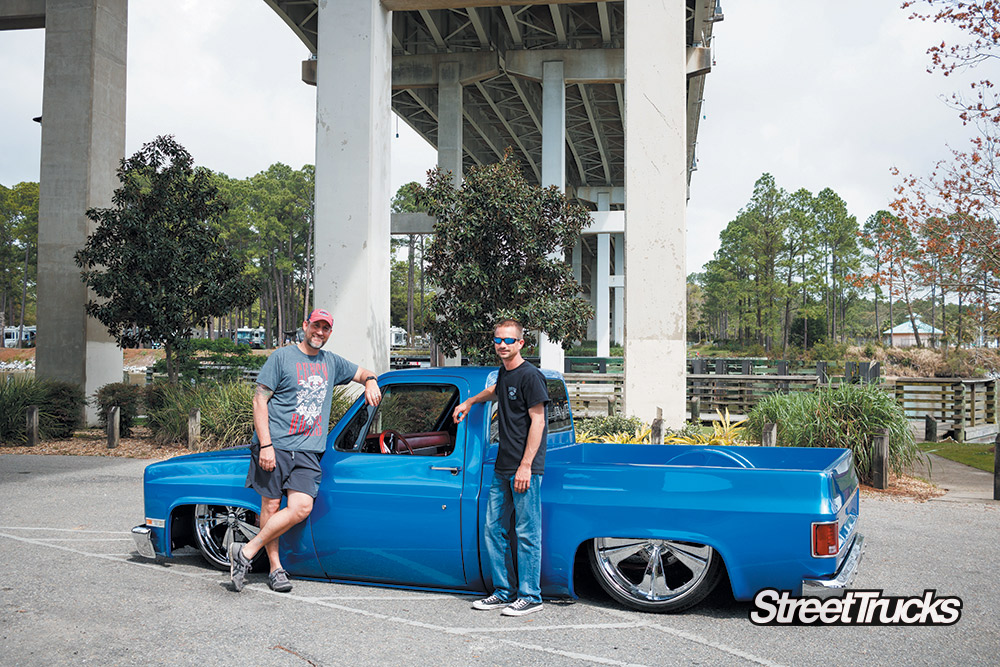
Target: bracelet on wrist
<point>266,446</point>
<point>369,378</point>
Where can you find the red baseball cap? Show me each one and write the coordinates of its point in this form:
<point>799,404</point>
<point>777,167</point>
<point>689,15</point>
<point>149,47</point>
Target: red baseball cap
<point>320,315</point>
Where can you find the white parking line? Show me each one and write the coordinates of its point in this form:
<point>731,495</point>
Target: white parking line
<point>376,598</point>
<point>682,634</point>
<point>488,634</point>
<point>65,530</point>
<point>84,539</point>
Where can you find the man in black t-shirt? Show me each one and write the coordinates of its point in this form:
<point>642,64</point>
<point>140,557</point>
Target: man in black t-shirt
<point>517,476</point>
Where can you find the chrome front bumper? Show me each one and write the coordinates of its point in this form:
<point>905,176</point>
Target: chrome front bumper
<point>143,537</point>
<point>844,577</point>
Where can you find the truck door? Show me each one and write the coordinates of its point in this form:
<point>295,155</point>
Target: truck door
<point>388,508</point>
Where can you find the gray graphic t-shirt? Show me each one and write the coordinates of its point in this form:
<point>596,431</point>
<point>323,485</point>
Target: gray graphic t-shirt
<point>299,410</point>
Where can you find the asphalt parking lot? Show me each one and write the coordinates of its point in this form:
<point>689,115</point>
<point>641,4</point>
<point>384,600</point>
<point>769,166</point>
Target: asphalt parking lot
<point>73,591</point>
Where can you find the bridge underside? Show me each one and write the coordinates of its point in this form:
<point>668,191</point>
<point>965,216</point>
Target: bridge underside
<point>501,50</point>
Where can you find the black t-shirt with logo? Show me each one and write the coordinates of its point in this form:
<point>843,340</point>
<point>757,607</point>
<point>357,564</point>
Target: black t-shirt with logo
<point>517,391</point>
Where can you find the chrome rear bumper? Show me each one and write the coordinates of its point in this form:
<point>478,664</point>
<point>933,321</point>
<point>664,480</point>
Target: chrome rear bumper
<point>842,579</point>
<point>144,541</point>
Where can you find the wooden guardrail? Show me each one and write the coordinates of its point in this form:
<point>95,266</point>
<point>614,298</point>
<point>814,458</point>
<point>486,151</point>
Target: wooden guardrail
<point>966,408</point>
<point>594,395</point>
<point>740,393</point>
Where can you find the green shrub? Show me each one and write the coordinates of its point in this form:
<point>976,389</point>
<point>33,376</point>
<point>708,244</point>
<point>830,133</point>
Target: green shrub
<point>64,407</point>
<point>17,392</point>
<point>619,428</point>
<point>847,416</point>
<point>602,426</point>
<point>128,398</point>
<point>60,408</point>
<point>824,351</point>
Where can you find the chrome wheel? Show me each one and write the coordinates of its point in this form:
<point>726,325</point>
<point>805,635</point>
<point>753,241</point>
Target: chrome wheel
<point>218,526</point>
<point>655,575</point>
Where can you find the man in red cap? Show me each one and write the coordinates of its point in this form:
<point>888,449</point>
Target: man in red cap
<point>290,411</point>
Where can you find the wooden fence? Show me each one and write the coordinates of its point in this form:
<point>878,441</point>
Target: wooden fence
<point>594,394</point>
<point>740,393</point>
<point>966,409</point>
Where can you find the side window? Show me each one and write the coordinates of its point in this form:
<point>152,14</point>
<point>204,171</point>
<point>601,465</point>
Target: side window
<point>557,410</point>
<point>351,435</point>
<point>494,423</point>
<point>411,419</point>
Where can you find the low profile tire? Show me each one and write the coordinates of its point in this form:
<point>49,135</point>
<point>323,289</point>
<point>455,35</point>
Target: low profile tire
<point>651,575</point>
<point>218,526</point>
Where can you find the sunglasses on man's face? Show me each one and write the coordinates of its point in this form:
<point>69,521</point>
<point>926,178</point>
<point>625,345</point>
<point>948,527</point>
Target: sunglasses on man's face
<point>510,341</point>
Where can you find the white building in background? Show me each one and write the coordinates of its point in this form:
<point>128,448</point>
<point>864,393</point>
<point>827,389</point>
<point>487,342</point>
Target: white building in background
<point>902,335</point>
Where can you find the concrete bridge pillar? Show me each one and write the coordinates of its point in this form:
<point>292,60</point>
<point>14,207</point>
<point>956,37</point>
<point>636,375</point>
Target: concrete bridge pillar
<point>655,202</point>
<point>450,141</point>
<point>353,192</point>
<point>553,169</point>
<point>602,305</point>
<point>83,140</point>
<point>618,312</point>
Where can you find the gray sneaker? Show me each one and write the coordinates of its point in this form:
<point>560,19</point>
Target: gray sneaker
<point>521,607</point>
<point>278,581</point>
<point>239,565</point>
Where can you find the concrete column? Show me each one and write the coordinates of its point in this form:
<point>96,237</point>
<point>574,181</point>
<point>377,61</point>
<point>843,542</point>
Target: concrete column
<point>602,303</point>
<point>450,143</point>
<point>450,120</point>
<point>656,187</point>
<point>578,262</point>
<point>83,140</point>
<point>618,311</point>
<point>353,126</point>
<point>553,168</point>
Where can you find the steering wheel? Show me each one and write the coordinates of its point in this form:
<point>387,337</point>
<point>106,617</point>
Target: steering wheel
<point>396,437</point>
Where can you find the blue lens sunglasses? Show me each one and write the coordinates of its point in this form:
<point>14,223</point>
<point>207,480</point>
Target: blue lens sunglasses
<point>510,341</point>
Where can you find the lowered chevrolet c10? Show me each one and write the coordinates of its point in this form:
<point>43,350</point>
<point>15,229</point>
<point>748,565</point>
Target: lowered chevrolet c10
<point>404,494</point>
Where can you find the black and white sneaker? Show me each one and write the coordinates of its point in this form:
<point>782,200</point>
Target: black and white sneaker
<point>239,566</point>
<point>492,602</point>
<point>521,607</point>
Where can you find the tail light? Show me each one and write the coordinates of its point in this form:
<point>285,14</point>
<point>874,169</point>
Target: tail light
<point>825,539</point>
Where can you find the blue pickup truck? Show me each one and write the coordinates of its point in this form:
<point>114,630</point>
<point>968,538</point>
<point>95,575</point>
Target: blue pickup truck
<point>404,495</point>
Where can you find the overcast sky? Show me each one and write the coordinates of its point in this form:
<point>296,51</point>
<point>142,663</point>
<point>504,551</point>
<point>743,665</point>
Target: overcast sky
<point>819,94</point>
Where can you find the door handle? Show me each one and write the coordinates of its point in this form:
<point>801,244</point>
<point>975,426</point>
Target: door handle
<point>453,471</point>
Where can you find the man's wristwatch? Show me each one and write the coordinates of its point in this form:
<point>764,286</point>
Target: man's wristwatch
<point>369,378</point>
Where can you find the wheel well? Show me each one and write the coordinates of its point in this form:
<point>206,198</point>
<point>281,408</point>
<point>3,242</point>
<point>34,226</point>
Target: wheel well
<point>182,527</point>
<point>585,583</point>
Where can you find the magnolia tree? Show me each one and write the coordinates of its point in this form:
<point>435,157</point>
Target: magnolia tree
<point>498,252</point>
<point>155,261</point>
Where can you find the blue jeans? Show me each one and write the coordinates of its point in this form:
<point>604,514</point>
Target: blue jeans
<point>527,513</point>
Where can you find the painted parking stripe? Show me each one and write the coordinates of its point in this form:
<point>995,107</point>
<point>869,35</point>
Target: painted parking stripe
<point>480,633</point>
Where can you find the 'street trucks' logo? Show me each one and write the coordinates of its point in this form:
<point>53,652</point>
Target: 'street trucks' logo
<point>860,607</point>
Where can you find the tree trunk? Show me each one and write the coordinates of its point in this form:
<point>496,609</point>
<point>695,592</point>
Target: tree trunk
<point>280,308</point>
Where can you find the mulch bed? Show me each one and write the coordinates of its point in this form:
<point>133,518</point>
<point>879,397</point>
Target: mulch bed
<point>904,488</point>
<point>93,442</point>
